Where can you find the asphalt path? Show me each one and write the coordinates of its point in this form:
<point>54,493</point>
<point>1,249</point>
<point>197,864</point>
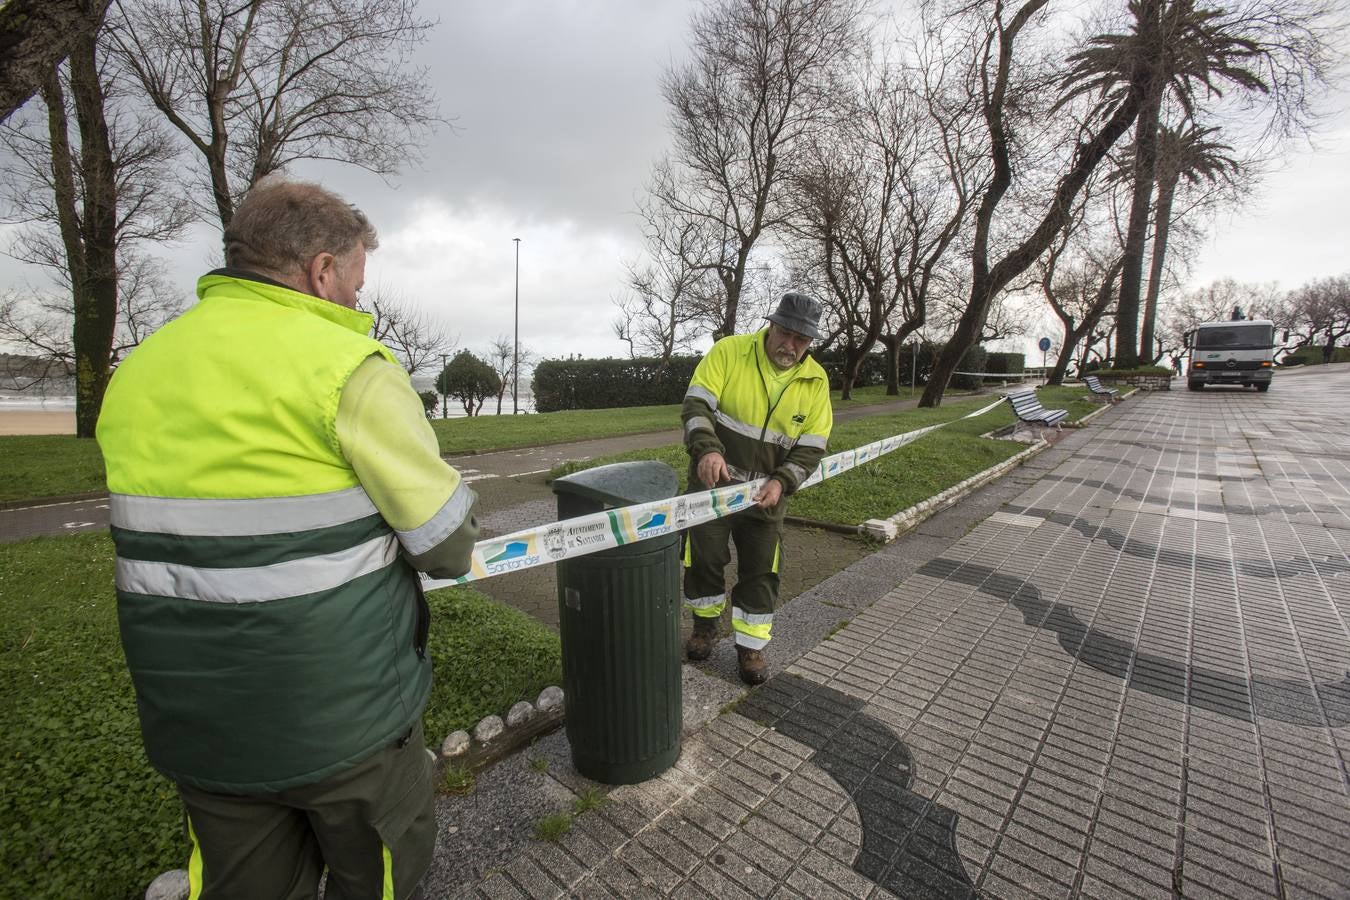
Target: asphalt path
<point>46,517</point>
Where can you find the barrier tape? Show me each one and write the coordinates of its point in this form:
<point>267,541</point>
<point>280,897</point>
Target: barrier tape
<point>612,528</point>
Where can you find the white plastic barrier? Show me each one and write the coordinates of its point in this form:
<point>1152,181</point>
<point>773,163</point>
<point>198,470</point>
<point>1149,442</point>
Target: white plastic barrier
<point>629,524</point>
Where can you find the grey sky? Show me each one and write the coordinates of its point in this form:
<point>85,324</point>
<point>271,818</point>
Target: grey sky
<point>558,118</point>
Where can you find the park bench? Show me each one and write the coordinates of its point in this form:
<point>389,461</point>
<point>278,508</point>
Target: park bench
<point>1095,385</point>
<point>1029,409</point>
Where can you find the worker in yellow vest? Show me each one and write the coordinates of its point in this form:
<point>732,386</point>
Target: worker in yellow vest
<point>756,407</point>
<point>275,486</point>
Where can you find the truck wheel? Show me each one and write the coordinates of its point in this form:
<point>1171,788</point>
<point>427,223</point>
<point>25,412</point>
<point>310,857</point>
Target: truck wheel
<point>1263,386</point>
<point>1195,385</point>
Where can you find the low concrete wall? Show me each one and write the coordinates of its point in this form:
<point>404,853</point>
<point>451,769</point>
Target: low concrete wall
<point>1147,382</point>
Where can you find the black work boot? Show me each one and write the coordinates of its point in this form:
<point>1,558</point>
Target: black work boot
<point>754,667</point>
<point>700,644</point>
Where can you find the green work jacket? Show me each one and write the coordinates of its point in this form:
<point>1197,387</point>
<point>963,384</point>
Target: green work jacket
<point>730,408</point>
<point>274,631</point>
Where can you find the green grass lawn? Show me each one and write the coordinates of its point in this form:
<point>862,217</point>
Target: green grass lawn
<point>873,393</point>
<point>61,465</point>
<point>896,481</point>
<point>82,813</point>
<point>48,465</point>
<point>508,432</point>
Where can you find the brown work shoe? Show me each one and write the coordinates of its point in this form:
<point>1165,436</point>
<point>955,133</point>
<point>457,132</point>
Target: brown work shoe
<point>700,644</point>
<point>754,667</point>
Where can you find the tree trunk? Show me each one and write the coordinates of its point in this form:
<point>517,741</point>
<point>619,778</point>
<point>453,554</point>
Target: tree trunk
<point>96,316</point>
<point>215,164</point>
<point>35,35</point>
<point>1162,224</point>
<point>1145,164</point>
<point>892,365</point>
<point>1071,338</point>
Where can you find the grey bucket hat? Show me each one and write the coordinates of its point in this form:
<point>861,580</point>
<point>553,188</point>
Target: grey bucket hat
<point>799,313</point>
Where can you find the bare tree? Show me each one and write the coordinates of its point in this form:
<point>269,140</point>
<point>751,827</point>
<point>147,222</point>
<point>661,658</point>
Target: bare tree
<point>36,36</point>
<point>1319,312</point>
<point>501,357</point>
<point>414,336</point>
<point>667,295</point>
<point>257,85</point>
<point>87,195</point>
<point>40,324</point>
<point>1081,289</point>
<point>880,198</point>
<point>1217,301</point>
<point>758,83</point>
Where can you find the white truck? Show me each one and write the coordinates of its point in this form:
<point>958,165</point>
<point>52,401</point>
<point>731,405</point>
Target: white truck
<point>1240,352</point>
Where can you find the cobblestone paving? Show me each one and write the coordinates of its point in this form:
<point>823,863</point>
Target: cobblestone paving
<point>1132,681</point>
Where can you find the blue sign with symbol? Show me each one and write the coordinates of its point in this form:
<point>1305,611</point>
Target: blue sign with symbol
<point>1044,345</point>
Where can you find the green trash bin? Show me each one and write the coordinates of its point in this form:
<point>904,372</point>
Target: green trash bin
<point>619,620</point>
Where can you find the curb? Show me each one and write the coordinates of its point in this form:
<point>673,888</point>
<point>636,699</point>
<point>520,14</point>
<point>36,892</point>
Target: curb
<point>891,528</point>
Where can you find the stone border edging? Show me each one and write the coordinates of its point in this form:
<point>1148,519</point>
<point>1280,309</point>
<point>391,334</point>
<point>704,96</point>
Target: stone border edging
<point>494,737</point>
<point>890,528</point>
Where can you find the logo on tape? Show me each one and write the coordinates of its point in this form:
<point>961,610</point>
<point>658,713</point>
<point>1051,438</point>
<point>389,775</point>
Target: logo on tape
<point>554,543</point>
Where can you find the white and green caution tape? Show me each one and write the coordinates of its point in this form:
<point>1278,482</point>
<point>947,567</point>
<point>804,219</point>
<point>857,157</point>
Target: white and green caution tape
<point>612,528</point>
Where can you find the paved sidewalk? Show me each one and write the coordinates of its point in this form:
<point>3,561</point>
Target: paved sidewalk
<point>1133,680</point>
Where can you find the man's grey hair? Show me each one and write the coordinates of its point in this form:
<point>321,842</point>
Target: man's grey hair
<point>281,225</point>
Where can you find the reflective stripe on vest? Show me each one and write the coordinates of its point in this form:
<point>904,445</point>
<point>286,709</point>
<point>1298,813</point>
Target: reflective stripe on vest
<point>257,584</point>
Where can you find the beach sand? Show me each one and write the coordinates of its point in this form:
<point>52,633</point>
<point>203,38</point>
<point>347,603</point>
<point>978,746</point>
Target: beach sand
<point>33,421</point>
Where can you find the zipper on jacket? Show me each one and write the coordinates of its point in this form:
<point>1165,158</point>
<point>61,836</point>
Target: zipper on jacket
<point>423,628</point>
<point>764,429</point>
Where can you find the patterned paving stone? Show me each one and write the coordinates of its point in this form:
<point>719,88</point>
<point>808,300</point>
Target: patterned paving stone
<point>1131,681</point>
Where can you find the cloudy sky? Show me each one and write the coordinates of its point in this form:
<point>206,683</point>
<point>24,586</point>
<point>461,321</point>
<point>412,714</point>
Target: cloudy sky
<point>558,118</point>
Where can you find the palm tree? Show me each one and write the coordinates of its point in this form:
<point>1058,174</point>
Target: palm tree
<point>1183,152</point>
<point>1175,49</point>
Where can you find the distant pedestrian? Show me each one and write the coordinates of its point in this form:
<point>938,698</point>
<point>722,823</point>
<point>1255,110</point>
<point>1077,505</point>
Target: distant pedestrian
<point>1328,351</point>
<point>275,488</point>
<point>755,407</point>
<point>1176,364</point>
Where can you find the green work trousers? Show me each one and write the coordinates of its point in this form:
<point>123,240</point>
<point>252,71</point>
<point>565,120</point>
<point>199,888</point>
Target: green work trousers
<point>372,826</point>
<point>757,533</point>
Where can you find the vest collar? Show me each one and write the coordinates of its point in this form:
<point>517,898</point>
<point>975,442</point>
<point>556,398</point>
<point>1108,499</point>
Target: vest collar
<point>254,286</point>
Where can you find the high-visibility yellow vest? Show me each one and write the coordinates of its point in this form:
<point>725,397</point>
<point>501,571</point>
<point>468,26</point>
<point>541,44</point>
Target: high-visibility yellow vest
<point>732,406</point>
<point>273,631</point>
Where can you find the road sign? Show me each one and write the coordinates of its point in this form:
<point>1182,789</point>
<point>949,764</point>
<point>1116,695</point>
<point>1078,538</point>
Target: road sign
<point>1045,345</point>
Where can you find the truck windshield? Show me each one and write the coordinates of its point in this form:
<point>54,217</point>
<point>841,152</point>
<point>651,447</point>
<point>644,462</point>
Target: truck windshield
<point>1235,337</point>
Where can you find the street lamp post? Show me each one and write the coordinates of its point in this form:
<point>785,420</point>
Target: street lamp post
<point>441,383</point>
<point>913,366</point>
<point>515,361</point>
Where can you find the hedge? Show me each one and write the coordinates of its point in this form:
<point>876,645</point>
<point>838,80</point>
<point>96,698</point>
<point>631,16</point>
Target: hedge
<point>976,359</point>
<point>1006,363</point>
<point>608,383</point>
<point>1312,356</point>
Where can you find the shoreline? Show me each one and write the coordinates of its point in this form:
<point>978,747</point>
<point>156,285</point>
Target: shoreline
<point>37,421</point>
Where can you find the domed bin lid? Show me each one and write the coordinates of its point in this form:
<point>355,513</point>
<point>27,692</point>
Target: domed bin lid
<point>618,484</point>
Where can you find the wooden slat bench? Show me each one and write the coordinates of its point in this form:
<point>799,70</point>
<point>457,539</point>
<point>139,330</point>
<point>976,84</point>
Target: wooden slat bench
<point>1095,385</point>
<point>1029,409</point>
